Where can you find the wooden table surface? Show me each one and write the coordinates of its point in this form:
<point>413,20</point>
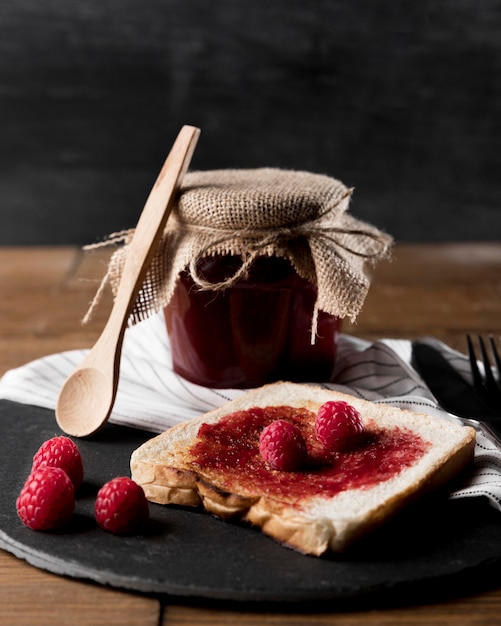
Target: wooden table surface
<point>445,290</point>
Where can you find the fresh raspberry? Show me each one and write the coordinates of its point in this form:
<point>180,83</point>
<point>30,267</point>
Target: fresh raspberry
<point>282,445</point>
<point>121,505</point>
<point>61,452</point>
<point>47,499</point>
<point>338,426</point>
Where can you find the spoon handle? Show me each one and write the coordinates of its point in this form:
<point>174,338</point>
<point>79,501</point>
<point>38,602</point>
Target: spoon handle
<point>151,224</point>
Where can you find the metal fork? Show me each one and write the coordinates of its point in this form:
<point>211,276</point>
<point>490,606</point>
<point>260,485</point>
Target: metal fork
<point>488,386</point>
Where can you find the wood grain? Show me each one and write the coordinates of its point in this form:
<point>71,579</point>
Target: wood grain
<point>440,289</point>
<point>483,609</point>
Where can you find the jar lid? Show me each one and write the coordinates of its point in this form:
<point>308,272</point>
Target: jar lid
<point>296,215</point>
<point>265,198</point>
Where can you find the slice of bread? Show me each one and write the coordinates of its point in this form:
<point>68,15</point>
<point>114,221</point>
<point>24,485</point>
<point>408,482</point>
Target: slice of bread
<point>318,520</point>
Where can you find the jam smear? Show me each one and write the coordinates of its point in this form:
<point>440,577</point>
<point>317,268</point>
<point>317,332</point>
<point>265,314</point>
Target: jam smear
<point>231,448</point>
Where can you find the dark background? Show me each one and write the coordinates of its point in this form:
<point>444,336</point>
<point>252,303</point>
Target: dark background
<point>400,99</point>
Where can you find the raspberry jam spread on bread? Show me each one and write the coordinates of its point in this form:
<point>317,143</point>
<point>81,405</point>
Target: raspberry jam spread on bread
<point>333,475</point>
<point>231,447</point>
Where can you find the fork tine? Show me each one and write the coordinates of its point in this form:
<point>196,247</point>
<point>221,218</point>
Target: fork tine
<point>490,381</point>
<point>477,377</point>
<point>497,359</point>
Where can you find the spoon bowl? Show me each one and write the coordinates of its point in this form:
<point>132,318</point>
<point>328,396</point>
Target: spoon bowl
<point>83,418</point>
<point>87,397</point>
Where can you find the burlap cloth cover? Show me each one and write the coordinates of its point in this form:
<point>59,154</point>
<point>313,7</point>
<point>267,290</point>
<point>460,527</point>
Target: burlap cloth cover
<point>250,212</point>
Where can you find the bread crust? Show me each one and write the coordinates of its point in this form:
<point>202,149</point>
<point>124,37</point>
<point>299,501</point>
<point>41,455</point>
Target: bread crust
<point>163,467</point>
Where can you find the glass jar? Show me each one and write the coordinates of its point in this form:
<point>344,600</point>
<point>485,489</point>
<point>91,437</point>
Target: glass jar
<point>256,331</point>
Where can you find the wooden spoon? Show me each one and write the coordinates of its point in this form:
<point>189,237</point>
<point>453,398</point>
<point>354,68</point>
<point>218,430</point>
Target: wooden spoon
<point>87,397</point>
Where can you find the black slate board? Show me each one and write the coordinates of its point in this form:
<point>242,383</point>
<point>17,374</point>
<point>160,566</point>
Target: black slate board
<point>437,548</point>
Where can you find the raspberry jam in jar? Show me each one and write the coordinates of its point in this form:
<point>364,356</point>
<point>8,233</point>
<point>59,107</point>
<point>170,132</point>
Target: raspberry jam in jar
<point>255,331</point>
